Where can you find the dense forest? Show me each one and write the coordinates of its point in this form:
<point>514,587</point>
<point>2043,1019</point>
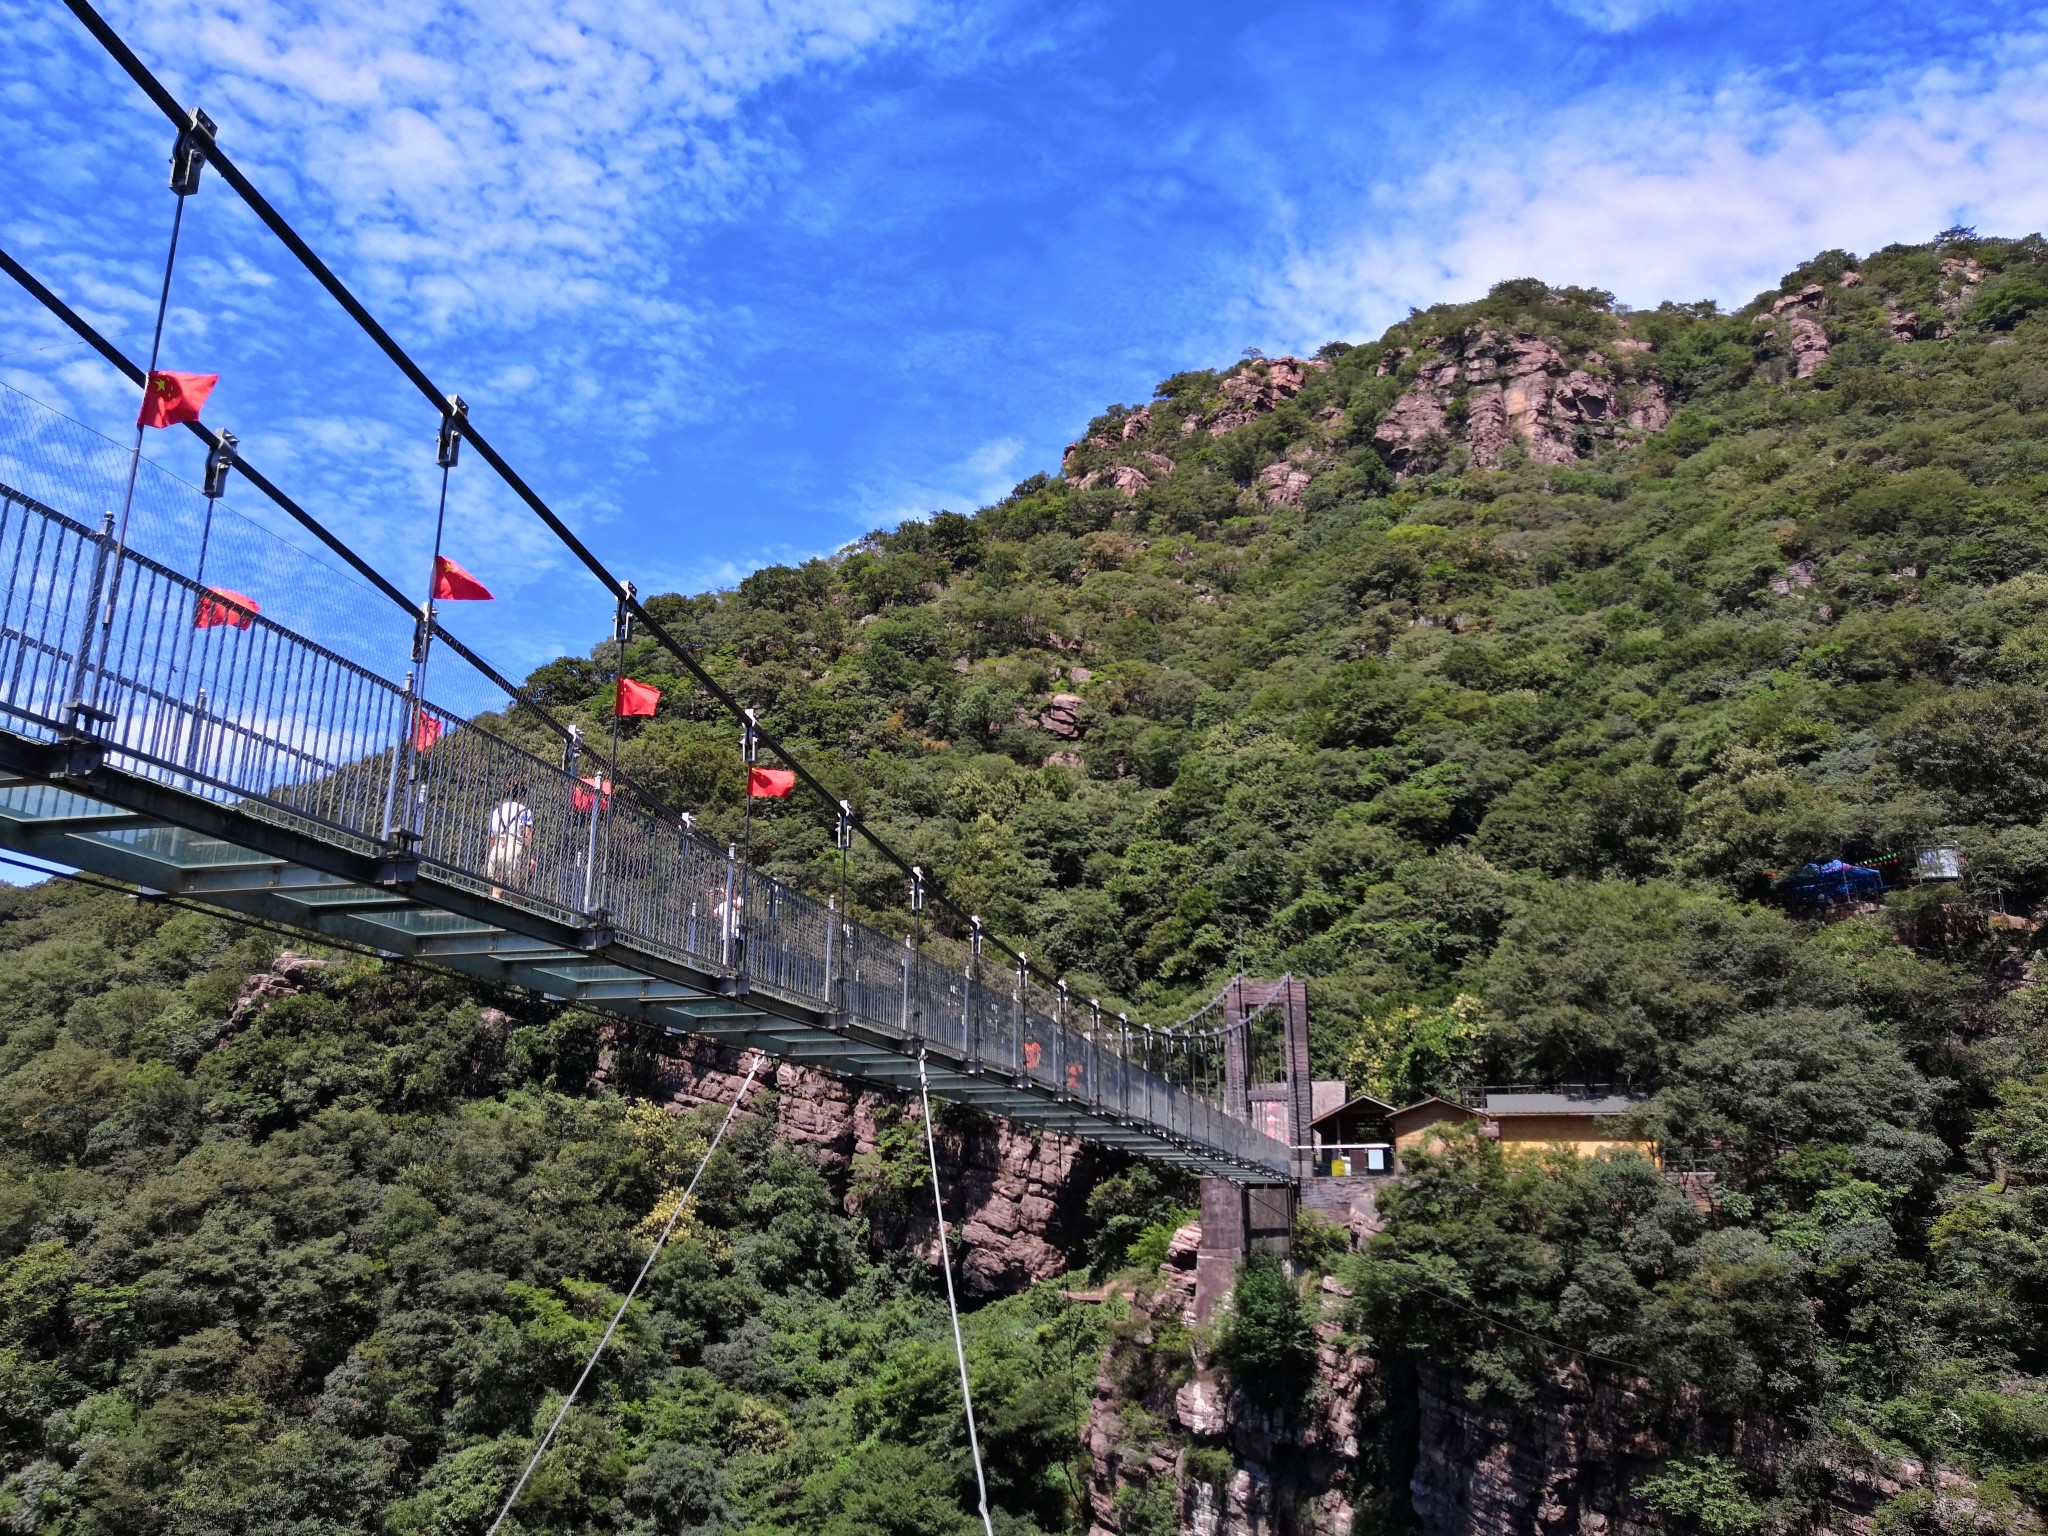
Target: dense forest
<point>1494,676</point>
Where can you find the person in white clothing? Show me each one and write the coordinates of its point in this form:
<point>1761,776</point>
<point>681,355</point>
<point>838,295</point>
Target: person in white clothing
<point>508,859</point>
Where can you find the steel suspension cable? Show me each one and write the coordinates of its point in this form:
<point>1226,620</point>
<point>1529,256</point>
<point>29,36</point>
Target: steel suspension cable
<point>86,332</point>
<point>417,376</point>
<point>633,1290</point>
<point>931,1148</point>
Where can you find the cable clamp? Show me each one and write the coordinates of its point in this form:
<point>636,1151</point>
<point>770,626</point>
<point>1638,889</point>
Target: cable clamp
<point>220,458</point>
<point>454,417</point>
<point>188,156</point>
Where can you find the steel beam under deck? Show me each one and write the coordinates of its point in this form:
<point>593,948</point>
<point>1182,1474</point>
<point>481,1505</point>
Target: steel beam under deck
<point>61,804</point>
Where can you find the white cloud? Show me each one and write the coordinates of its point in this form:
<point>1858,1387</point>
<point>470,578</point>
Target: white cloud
<point>993,458</point>
<point>1619,15</point>
<point>503,163</point>
<point>513,187</point>
<point>1701,196</point>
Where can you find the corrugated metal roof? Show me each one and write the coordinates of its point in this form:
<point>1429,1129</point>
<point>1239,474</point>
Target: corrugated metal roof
<point>1566,1102</point>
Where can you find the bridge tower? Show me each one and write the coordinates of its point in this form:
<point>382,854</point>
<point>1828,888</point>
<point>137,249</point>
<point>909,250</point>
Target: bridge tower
<point>1237,1218</point>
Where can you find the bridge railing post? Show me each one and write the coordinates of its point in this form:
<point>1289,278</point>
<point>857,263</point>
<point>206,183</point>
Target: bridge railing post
<point>1095,1052</point>
<point>1062,1072</point>
<point>77,707</point>
<point>1021,1062</point>
<point>405,726</point>
<point>833,1001</point>
<point>909,954</point>
<point>1123,1021</point>
<point>728,926</point>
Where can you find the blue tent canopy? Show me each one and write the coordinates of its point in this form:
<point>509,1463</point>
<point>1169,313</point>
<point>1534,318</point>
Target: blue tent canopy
<point>1835,880</point>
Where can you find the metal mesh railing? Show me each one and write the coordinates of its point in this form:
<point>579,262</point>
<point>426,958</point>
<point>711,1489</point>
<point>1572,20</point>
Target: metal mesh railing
<point>184,687</point>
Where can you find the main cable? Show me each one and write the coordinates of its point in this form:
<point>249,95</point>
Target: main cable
<point>640,1279</point>
<point>355,309</point>
<point>931,1148</point>
<point>86,332</point>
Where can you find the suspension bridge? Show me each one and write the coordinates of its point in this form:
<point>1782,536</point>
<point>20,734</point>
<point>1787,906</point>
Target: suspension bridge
<point>157,731</point>
<point>256,770</point>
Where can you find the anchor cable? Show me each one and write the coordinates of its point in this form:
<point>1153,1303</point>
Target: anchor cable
<point>952,1304</point>
<point>633,1290</point>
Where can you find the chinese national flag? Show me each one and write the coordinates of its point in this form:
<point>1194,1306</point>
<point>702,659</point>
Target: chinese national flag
<point>636,699</point>
<point>426,730</point>
<point>169,399</point>
<point>219,607</point>
<point>770,783</point>
<point>581,799</point>
<point>455,585</point>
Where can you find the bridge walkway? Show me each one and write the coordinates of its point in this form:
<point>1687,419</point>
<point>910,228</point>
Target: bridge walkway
<point>247,767</point>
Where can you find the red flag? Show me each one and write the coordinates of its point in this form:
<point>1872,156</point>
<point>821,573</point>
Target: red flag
<point>580,797</point>
<point>218,606</point>
<point>453,584</point>
<point>426,730</point>
<point>770,783</point>
<point>636,699</point>
<point>171,398</point>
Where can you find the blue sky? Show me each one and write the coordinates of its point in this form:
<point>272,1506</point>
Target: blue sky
<point>735,284</point>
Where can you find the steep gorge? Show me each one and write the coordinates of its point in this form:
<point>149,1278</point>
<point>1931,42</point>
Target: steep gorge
<point>1490,676</point>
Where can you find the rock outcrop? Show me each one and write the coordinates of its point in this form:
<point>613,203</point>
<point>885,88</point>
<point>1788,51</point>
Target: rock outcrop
<point>289,975</point>
<point>1961,277</point>
<point>1169,1437</point>
<point>1254,390</point>
<point>1493,391</point>
<point>1573,1456</point>
<point>1794,318</point>
<point>1016,1196</point>
<point>1062,717</point>
<point>1180,1439</point>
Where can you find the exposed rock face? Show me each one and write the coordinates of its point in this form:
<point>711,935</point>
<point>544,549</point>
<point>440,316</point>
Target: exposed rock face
<point>1569,1458</point>
<point>1795,324</point>
<point>1256,388</point>
<point>1288,1471</point>
<point>1566,1462</point>
<point>289,975</point>
<point>1793,318</point>
<point>1518,389</point>
<point>1062,717</point>
<point>1122,477</point>
<point>1282,483</point>
<point>1961,277</point>
<point>1018,1197</point>
<point>1808,344</point>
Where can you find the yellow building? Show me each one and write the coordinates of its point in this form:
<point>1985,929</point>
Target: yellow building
<point>1587,1121</point>
<point>1584,1120</point>
<point>1421,1125</point>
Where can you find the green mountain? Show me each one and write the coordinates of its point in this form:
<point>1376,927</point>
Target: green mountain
<point>1493,677</point>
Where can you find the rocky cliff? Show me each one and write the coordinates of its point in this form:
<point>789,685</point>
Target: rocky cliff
<point>1170,1439</point>
<point>1574,378</point>
<point>1402,1444</point>
<point>1015,1197</point>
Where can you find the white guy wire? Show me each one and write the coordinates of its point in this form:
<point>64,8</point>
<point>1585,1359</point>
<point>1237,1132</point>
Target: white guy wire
<point>952,1306</point>
<point>591,1364</point>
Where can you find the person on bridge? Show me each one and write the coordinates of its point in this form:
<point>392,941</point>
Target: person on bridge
<point>509,857</point>
<point>729,912</point>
